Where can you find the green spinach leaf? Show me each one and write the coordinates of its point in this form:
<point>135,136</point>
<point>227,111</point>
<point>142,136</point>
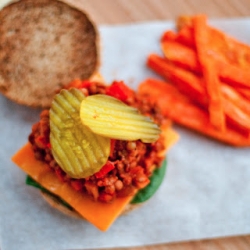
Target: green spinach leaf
<point>155,182</point>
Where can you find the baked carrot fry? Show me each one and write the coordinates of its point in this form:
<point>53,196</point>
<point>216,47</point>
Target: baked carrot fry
<point>169,35</point>
<point>192,86</point>
<point>209,72</point>
<point>244,92</point>
<point>186,81</point>
<point>215,105</point>
<point>186,57</point>
<point>183,21</point>
<point>183,112</point>
<point>155,88</point>
<point>233,96</point>
<point>185,36</point>
<point>239,118</point>
<point>180,55</point>
<point>209,80</point>
<point>195,118</point>
<point>231,49</point>
<point>233,74</point>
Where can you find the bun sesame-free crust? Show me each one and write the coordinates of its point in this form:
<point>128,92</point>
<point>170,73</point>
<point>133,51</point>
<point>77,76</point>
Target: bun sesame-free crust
<point>44,45</point>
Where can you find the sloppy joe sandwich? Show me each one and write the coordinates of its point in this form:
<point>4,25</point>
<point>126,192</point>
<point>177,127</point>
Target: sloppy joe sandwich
<point>98,150</point>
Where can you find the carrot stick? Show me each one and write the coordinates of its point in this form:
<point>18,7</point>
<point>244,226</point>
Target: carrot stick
<point>185,81</point>
<point>186,57</point>
<point>183,21</point>
<point>233,74</point>
<point>182,111</point>
<point>193,87</point>
<point>181,55</point>
<point>233,96</point>
<point>237,117</point>
<point>232,50</point>
<point>208,71</point>
<point>197,119</point>
<point>215,105</point>
<point>210,76</point>
<point>169,35</point>
<point>185,36</point>
<point>244,92</point>
<point>155,88</point>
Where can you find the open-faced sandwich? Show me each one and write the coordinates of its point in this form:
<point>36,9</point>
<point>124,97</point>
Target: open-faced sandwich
<point>97,151</point>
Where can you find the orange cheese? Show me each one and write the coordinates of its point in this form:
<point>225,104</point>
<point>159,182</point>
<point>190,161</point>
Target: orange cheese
<point>102,215</point>
<point>171,139</point>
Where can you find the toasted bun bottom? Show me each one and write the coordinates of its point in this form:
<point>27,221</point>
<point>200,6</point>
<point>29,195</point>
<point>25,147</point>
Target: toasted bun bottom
<point>57,204</point>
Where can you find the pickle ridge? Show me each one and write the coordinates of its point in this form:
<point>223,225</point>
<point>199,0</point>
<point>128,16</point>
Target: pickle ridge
<point>69,128</point>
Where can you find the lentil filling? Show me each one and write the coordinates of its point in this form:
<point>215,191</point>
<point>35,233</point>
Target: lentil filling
<point>130,163</point>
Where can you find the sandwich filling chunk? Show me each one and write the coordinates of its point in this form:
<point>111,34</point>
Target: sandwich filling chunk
<point>129,164</point>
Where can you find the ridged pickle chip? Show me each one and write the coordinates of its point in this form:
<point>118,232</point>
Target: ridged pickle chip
<point>112,118</point>
<point>77,150</point>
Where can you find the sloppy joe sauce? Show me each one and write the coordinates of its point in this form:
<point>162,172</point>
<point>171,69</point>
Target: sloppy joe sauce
<point>133,161</point>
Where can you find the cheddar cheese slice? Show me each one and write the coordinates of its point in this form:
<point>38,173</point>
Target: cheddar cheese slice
<point>102,215</point>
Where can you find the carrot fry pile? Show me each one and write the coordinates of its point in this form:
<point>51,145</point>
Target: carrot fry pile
<point>207,81</point>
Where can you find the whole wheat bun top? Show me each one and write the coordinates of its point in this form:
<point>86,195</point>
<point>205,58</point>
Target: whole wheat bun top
<point>44,44</point>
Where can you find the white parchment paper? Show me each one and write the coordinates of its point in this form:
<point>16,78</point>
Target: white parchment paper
<point>205,193</point>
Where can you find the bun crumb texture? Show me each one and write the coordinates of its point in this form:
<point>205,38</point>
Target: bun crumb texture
<point>44,45</point>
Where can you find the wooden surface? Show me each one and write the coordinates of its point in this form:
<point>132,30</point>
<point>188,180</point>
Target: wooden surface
<point>128,11</point>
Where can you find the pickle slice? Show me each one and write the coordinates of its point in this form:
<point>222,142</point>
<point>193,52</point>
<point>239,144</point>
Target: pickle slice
<point>77,150</point>
<point>110,117</point>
